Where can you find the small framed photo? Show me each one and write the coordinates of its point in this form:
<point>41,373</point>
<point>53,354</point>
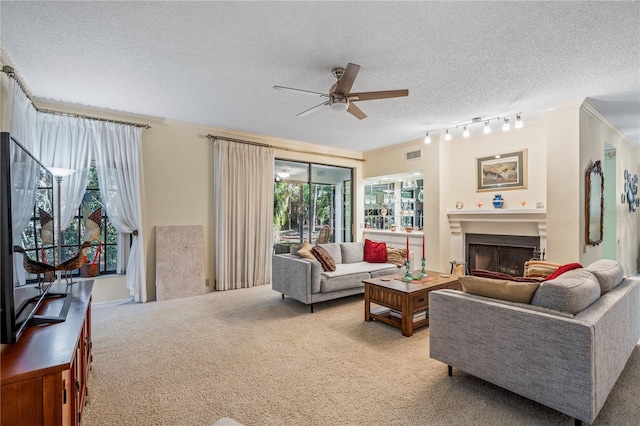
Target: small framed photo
<point>502,171</point>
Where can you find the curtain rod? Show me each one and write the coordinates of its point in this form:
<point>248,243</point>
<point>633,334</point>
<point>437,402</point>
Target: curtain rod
<point>300,151</point>
<point>239,141</point>
<point>12,74</point>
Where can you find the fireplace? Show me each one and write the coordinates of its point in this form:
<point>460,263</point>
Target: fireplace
<point>500,253</point>
<point>519,229</point>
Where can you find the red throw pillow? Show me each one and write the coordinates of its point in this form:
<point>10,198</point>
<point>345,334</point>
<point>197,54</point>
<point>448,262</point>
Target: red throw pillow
<point>375,252</point>
<point>562,269</point>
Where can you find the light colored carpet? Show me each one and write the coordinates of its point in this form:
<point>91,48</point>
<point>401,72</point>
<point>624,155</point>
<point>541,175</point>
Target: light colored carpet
<point>249,355</point>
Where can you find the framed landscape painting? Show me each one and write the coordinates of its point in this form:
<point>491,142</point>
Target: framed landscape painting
<point>502,171</point>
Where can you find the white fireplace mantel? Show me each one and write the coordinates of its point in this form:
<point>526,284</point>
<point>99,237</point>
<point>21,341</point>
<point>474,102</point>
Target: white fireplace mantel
<point>461,219</point>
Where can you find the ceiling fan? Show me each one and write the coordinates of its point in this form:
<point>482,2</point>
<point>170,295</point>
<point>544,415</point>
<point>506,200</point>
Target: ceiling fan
<point>339,96</point>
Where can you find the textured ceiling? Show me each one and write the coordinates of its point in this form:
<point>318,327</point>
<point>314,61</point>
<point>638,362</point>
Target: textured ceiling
<point>215,63</point>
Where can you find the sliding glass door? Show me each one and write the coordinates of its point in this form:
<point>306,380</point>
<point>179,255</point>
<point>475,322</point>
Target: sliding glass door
<point>312,202</point>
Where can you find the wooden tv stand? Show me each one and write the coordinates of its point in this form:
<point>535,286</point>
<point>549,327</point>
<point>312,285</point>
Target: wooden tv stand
<point>44,375</point>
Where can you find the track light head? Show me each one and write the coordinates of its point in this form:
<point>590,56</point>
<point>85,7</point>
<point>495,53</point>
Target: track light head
<point>447,136</point>
<point>465,132</point>
<point>487,128</point>
<point>518,124</point>
<point>506,126</point>
<point>427,138</point>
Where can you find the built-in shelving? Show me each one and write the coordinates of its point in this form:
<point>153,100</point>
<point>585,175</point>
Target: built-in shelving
<point>393,205</point>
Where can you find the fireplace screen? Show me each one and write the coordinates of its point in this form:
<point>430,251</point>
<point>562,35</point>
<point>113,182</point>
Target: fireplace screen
<point>500,253</point>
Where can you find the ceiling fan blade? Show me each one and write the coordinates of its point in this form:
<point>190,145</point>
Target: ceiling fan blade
<point>312,109</point>
<point>304,92</point>
<point>356,112</point>
<point>347,79</point>
<point>368,96</point>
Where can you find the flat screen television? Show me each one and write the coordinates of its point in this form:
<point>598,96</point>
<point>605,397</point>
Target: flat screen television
<point>22,176</point>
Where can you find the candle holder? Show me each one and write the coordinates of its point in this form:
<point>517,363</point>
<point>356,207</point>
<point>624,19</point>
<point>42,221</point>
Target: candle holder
<point>424,272</point>
<point>407,276</point>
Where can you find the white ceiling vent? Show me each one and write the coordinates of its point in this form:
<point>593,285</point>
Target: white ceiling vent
<point>413,155</point>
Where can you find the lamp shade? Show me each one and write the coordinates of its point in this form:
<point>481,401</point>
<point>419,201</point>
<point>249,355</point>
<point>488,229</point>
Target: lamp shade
<point>60,171</point>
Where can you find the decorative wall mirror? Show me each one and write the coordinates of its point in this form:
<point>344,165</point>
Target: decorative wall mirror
<point>594,204</point>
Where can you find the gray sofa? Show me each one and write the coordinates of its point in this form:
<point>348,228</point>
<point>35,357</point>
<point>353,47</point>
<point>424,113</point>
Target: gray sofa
<point>566,361</point>
<point>304,280</point>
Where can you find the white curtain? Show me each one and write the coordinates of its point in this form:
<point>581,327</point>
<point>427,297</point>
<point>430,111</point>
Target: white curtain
<point>243,214</point>
<point>66,142</point>
<point>24,172</point>
<point>118,154</point>
<point>22,117</point>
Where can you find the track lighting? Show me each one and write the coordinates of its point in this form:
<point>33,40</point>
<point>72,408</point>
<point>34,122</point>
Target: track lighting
<point>465,126</point>
<point>518,122</point>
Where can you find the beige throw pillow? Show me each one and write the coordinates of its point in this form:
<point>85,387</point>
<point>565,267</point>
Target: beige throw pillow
<point>513,291</point>
<point>305,251</point>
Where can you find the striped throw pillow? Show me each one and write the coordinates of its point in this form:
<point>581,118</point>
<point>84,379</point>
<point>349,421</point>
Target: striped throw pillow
<point>539,268</point>
<point>396,255</point>
<point>324,258</point>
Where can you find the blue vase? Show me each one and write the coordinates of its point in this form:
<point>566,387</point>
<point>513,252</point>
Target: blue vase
<point>498,202</point>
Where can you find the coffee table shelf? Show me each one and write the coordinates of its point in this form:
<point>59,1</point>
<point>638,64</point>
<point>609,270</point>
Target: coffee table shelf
<point>404,297</point>
<point>395,321</point>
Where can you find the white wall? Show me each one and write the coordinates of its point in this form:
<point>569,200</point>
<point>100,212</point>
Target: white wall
<point>565,181</point>
<point>595,132</point>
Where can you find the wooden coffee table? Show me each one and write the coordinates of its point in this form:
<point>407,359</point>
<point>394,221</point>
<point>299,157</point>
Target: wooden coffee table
<point>405,297</point>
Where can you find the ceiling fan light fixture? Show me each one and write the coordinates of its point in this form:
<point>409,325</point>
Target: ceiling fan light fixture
<point>340,104</point>
<point>283,174</point>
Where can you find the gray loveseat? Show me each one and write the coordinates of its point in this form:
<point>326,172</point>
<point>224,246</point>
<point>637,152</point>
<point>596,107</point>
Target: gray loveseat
<point>566,361</point>
<point>304,279</point>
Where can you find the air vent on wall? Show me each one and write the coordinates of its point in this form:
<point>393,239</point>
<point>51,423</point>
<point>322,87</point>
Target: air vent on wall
<point>412,155</point>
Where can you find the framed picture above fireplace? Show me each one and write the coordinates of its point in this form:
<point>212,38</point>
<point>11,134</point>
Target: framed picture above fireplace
<point>502,171</point>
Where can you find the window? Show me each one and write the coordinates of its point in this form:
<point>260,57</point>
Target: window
<point>309,197</point>
<point>40,245</point>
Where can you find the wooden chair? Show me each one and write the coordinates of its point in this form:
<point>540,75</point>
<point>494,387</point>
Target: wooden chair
<point>323,236</point>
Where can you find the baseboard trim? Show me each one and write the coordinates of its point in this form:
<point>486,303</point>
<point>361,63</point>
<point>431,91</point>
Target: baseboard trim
<point>111,303</point>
